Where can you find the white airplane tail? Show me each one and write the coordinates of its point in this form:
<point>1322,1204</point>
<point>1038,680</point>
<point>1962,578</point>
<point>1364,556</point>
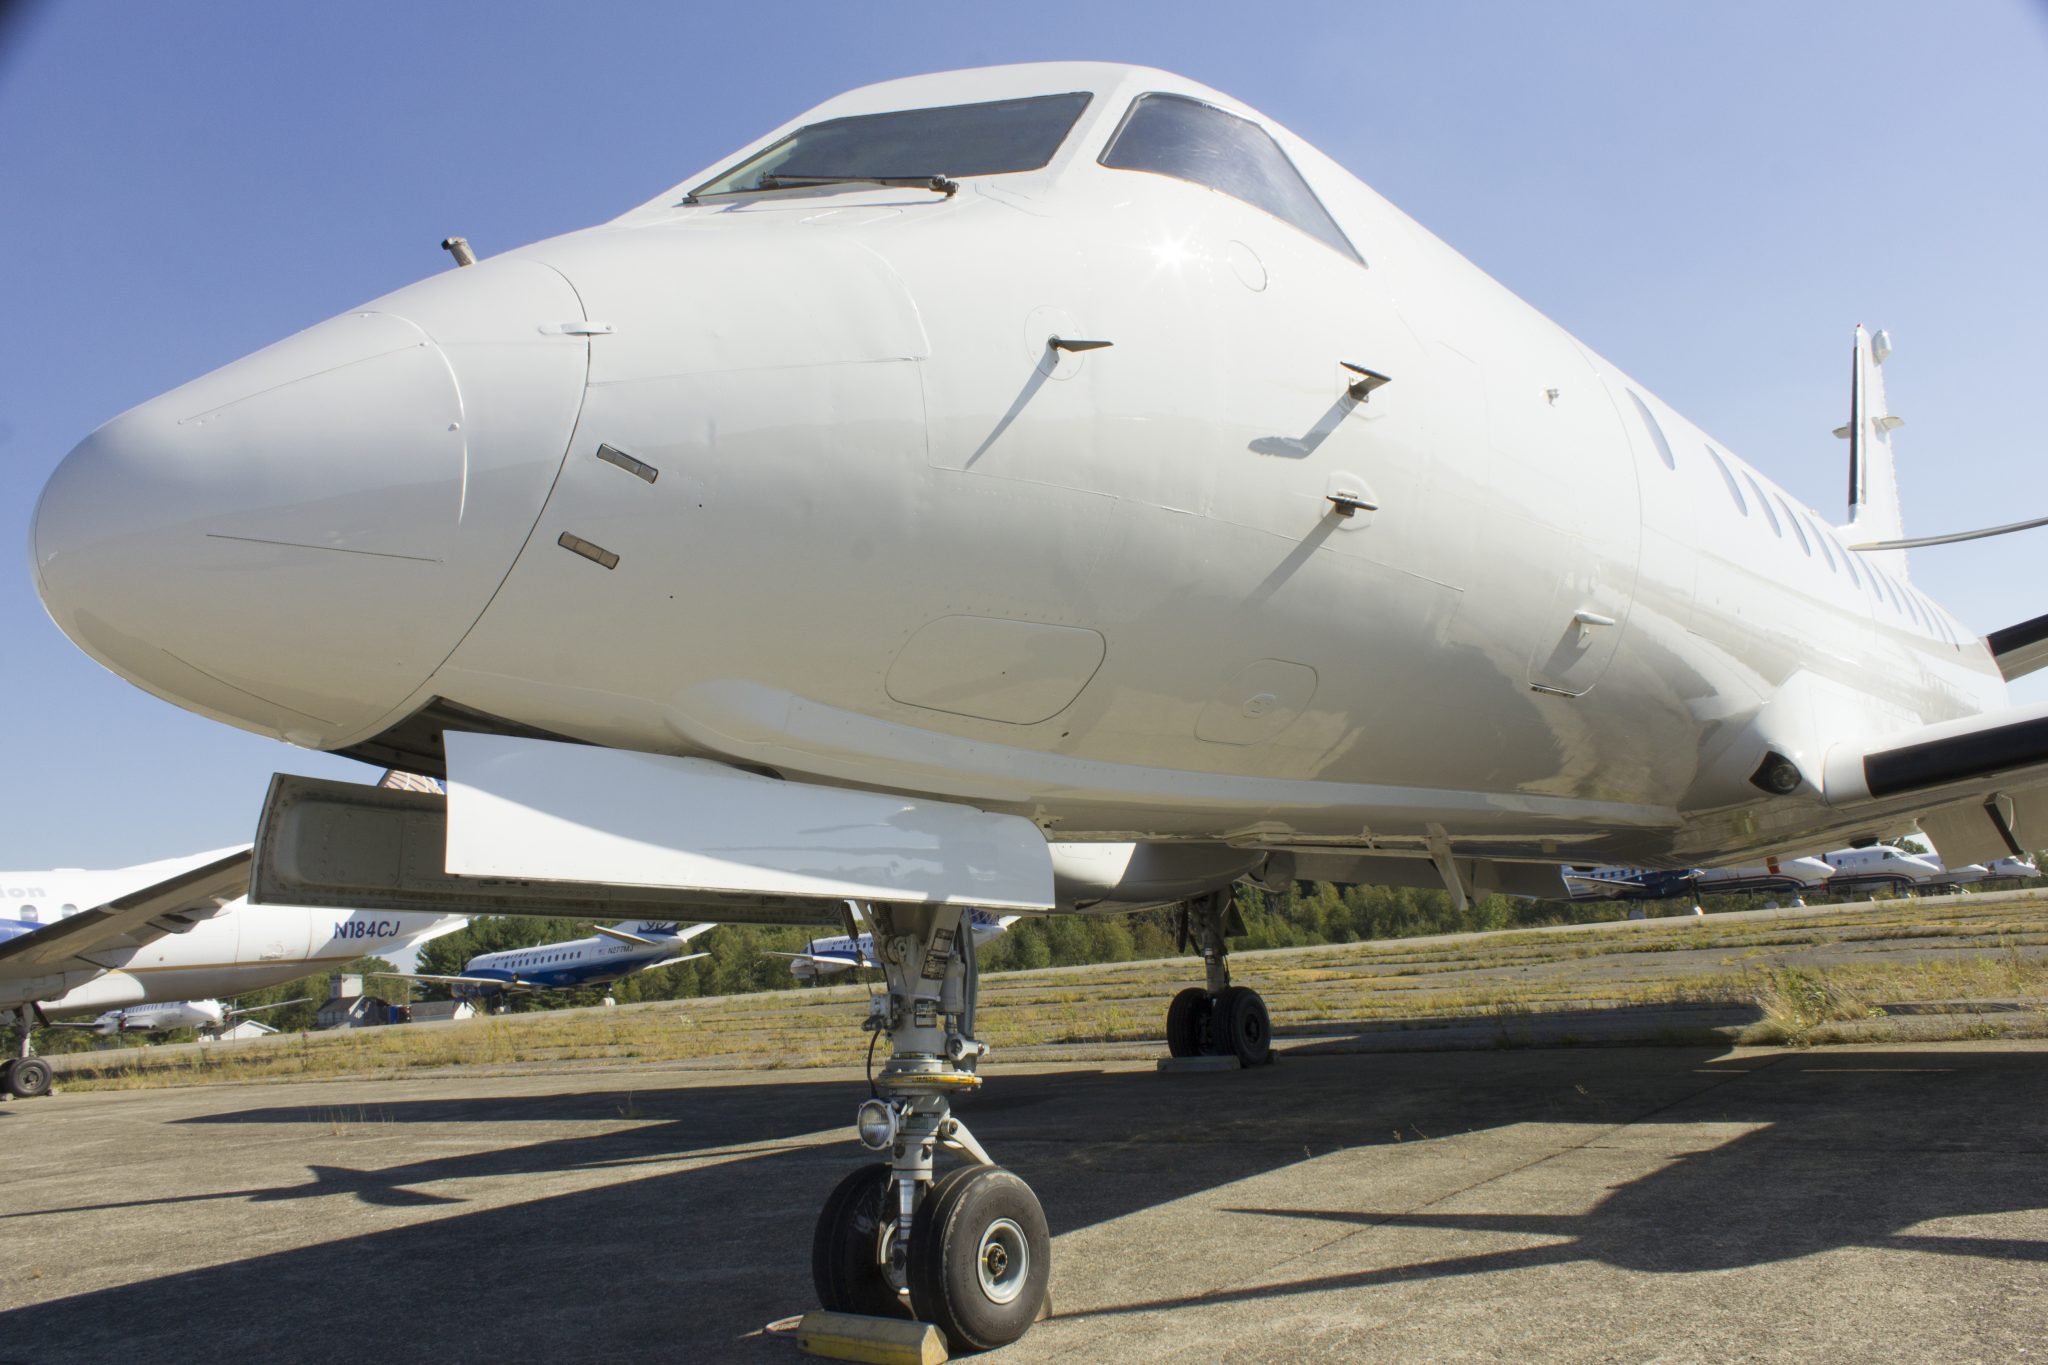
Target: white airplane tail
<point>1874,513</point>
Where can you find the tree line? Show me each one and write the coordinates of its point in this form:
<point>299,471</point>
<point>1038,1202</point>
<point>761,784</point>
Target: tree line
<point>739,957</point>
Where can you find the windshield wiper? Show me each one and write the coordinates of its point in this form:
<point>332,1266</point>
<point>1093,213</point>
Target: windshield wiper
<point>937,184</point>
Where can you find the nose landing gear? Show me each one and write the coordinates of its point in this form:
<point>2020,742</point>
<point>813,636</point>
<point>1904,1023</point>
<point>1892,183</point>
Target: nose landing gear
<point>25,1075</point>
<point>1218,1019</point>
<point>967,1251</point>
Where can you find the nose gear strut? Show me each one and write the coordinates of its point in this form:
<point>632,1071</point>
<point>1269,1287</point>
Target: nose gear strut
<point>1217,1019</point>
<point>967,1250</point>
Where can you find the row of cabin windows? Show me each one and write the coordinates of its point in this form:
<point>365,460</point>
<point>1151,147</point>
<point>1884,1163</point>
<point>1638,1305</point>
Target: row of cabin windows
<point>1907,602</point>
<point>547,958</point>
<point>28,914</point>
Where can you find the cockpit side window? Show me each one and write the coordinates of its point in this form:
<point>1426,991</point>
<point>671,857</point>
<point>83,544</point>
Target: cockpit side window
<point>1189,140</point>
<point>1000,137</point>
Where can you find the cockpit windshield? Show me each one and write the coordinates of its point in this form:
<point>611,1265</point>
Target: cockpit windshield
<point>1189,140</point>
<point>997,138</point>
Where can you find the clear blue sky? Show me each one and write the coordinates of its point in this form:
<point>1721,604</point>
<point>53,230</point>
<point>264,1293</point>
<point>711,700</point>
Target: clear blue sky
<point>1711,195</point>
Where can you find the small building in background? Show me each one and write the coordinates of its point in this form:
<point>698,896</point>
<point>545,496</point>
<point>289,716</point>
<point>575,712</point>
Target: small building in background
<point>239,1029</point>
<point>347,1007</point>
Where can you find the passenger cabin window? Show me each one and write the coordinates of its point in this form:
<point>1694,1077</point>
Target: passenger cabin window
<point>1656,432</point>
<point>1001,137</point>
<point>1822,541</point>
<point>1189,140</point>
<point>1849,563</point>
<point>1797,529</point>
<point>1765,503</point>
<point>1734,489</point>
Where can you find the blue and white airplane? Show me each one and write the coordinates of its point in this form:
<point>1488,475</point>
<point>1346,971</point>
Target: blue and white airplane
<point>608,955</point>
<point>825,956</point>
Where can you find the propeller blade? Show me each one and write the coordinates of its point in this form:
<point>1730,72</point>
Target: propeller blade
<point>1954,538</point>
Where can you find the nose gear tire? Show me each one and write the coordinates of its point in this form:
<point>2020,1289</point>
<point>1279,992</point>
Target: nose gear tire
<point>28,1078</point>
<point>980,1258</point>
<point>846,1247</point>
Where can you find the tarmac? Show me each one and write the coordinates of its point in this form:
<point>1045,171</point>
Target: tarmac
<point>1874,1203</point>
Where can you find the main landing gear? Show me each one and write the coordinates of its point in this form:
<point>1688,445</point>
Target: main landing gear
<point>1219,1019</point>
<point>24,1075</point>
<point>966,1250</point>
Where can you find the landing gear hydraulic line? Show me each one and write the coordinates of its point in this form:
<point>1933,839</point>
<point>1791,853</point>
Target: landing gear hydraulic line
<point>24,1075</point>
<point>967,1249</point>
<point>1217,1019</point>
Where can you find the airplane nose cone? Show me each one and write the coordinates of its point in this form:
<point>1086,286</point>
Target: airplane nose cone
<point>294,542</point>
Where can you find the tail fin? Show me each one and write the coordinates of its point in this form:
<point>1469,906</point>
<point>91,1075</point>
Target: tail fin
<point>1873,481</point>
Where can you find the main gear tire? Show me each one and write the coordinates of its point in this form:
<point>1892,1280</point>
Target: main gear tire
<point>1240,1026</point>
<point>1187,1023</point>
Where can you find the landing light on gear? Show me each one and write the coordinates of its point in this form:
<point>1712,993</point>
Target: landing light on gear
<point>966,1250</point>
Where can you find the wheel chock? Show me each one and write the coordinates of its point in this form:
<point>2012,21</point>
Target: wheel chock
<point>877,1341</point>
<point>1226,1062</point>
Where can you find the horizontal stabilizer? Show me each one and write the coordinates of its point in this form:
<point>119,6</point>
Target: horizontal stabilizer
<point>659,963</point>
<point>452,980</point>
<point>828,959</point>
<point>2020,649</point>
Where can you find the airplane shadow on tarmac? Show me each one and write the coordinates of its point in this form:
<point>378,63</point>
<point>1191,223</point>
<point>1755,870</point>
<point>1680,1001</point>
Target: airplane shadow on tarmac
<point>1854,1149</point>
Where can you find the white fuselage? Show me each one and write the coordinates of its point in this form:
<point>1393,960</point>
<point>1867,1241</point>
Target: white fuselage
<point>163,1017</point>
<point>897,541</point>
<point>243,948</point>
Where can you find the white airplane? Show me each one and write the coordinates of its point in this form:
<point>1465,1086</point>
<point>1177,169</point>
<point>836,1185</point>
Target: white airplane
<point>170,1015</point>
<point>849,952</point>
<point>1904,869</point>
<point>1058,451</point>
<point>178,931</point>
<point>610,954</point>
<point>1794,875</point>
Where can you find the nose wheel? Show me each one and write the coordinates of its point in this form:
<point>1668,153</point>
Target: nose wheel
<point>966,1250</point>
<point>25,1075</point>
<point>980,1257</point>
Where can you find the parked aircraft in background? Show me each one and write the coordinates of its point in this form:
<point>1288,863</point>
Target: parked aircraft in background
<point>76,942</point>
<point>608,955</point>
<point>827,956</point>
<point>1881,865</point>
<point>1043,452</point>
<point>1845,871</point>
<point>1794,875</point>
<point>168,1016</point>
